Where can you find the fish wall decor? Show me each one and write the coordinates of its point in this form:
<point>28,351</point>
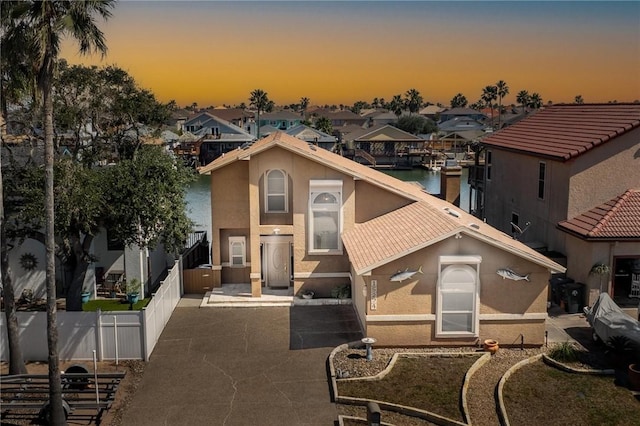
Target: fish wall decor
<point>404,275</point>
<point>509,273</point>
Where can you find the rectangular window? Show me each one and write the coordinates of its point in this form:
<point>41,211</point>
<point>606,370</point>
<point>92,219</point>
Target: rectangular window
<point>488,165</point>
<point>458,296</point>
<point>542,169</point>
<point>325,216</point>
<point>237,251</point>
<point>276,192</point>
<point>113,244</point>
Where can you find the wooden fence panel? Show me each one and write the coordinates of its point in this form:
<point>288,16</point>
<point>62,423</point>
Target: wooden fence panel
<point>199,281</point>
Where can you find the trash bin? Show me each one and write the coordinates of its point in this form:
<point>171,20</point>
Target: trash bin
<point>558,293</point>
<point>575,297</point>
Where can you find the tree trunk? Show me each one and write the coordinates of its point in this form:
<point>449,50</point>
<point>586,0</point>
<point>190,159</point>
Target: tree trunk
<point>55,386</point>
<point>16,359</point>
<point>79,267</point>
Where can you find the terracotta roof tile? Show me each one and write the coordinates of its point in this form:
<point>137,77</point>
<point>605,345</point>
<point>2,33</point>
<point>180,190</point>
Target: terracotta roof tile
<point>566,131</point>
<point>616,219</point>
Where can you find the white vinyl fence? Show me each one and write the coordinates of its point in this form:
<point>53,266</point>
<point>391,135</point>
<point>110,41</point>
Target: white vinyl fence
<point>121,334</point>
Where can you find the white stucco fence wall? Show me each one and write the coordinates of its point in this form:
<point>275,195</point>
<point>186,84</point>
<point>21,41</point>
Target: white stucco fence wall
<point>79,333</point>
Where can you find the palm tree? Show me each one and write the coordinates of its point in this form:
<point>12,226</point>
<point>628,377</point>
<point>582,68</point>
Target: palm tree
<point>16,83</point>
<point>49,22</point>
<point>304,104</point>
<point>413,100</point>
<point>459,101</point>
<point>523,98</point>
<point>490,94</point>
<point>396,105</point>
<point>502,90</point>
<point>259,100</point>
<point>535,101</point>
<point>324,125</point>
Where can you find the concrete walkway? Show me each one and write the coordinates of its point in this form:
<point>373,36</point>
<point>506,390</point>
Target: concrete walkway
<point>249,366</point>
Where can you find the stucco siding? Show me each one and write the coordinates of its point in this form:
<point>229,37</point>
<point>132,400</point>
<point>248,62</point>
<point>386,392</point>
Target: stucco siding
<point>604,172</point>
<point>507,333</point>
<point>583,255</point>
<point>417,296</point>
<point>372,202</point>
<point>513,188</point>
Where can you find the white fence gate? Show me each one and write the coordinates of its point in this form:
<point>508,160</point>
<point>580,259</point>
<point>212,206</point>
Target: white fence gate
<point>121,334</point>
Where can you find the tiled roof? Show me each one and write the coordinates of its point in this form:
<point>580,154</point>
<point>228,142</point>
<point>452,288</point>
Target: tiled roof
<point>566,131</point>
<point>279,115</point>
<point>418,224</point>
<point>616,219</point>
<point>460,111</point>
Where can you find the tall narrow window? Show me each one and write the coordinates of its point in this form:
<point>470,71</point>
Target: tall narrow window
<point>488,165</point>
<point>237,251</point>
<point>276,192</point>
<point>325,218</point>
<point>458,296</point>
<point>542,169</point>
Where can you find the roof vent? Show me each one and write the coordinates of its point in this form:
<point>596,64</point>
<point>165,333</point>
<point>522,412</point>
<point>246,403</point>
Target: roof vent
<point>312,147</point>
<point>474,225</point>
<point>452,212</point>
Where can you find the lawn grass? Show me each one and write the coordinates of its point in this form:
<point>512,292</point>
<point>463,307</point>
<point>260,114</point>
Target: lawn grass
<point>430,383</point>
<point>540,394</point>
<point>113,305</point>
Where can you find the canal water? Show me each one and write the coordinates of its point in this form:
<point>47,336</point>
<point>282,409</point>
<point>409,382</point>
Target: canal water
<point>198,195</point>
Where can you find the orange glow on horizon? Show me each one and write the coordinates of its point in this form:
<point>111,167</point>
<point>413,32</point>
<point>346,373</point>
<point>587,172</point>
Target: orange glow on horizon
<point>217,53</point>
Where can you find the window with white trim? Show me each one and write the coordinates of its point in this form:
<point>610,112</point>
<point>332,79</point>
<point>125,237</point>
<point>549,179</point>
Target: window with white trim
<point>276,192</point>
<point>237,251</point>
<point>325,216</point>
<point>458,297</point>
<point>542,172</point>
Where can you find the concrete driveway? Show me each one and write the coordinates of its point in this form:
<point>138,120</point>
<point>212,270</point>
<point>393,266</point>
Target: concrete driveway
<point>243,366</point>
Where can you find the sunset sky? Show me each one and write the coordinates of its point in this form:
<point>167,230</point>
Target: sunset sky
<point>215,53</point>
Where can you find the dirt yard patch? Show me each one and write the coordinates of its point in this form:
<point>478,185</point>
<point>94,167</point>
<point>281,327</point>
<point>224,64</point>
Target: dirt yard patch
<point>540,394</point>
<point>112,417</point>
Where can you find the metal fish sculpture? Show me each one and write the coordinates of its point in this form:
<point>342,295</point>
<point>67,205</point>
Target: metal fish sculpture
<point>508,273</point>
<point>404,275</point>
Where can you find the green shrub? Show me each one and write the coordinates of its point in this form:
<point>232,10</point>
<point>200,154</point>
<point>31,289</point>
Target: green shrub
<point>342,291</point>
<point>564,352</point>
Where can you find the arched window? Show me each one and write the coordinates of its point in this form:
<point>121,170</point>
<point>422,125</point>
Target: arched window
<point>325,220</point>
<point>276,192</point>
<point>458,299</point>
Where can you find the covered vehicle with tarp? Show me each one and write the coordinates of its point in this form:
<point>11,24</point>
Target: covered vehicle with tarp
<point>608,320</point>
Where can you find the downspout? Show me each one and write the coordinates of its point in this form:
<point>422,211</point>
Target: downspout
<point>611,269</point>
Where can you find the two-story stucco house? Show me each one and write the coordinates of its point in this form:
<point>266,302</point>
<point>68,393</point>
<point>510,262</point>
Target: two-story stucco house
<point>287,214</point>
<point>568,177</point>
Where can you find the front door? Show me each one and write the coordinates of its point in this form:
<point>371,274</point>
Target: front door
<point>276,260</point>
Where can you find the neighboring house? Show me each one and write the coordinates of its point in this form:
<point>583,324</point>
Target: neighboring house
<point>432,112</point>
<point>382,118</point>
<point>343,118</point>
<point>313,136</point>
<point>451,113</point>
<point>236,116</point>
<point>169,138</point>
<point>286,214</point>
<point>385,145</point>
<point>562,166</point>
<point>218,136</point>
<point>281,120</point>
<point>114,263</point>
<point>178,118</point>
<point>460,123</point>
